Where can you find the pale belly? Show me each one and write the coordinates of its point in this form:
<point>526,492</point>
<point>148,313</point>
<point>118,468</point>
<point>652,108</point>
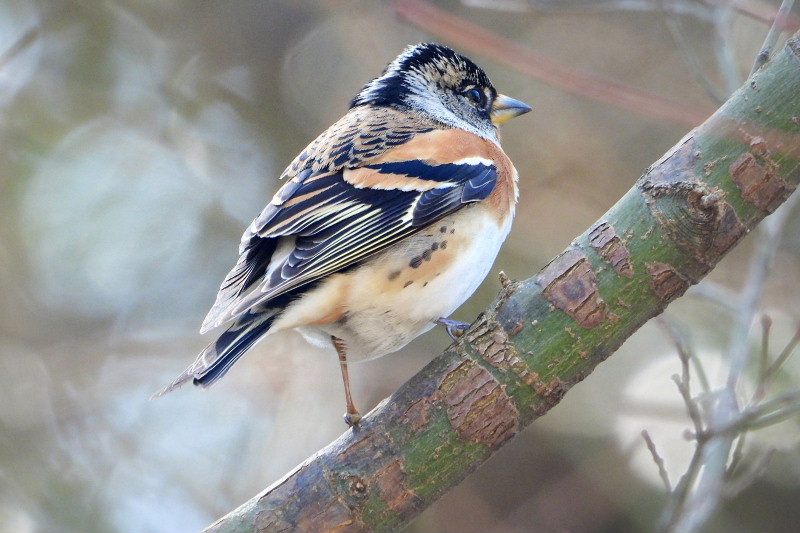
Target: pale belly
<point>397,295</point>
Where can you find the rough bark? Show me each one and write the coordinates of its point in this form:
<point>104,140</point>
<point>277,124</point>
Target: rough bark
<point>544,334</point>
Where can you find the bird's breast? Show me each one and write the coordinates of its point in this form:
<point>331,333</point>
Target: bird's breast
<point>393,297</point>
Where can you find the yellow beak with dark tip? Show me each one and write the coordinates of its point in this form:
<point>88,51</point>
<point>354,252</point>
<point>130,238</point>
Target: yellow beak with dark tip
<point>504,108</point>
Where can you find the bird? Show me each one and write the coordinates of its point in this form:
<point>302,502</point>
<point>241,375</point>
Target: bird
<point>386,223</point>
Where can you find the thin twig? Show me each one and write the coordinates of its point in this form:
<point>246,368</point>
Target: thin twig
<point>757,416</point>
<point>700,374</point>
<point>775,417</point>
<point>680,338</point>
<point>691,406</point>
<point>767,370</point>
<point>771,231</point>
<point>737,484</point>
<point>725,419</point>
<point>786,398</point>
<point>24,41</point>
<point>737,456</point>
<point>772,35</point>
<point>691,8</point>
<point>658,460</point>
<point>717,293</point>
<point>763,360</point>
<point>699,9</point>
<point>724,49</point>
<point>673,23</point>
<point>542,67</point>
<point>763,12</point>
<point>702,10</point>
<point>682,490</point>
<point>775,367</point>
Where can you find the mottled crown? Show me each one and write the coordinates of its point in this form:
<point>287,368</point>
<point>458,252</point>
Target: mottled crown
<point>417,69</point>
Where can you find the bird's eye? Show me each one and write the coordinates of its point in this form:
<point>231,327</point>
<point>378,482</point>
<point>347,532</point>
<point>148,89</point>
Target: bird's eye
<point>476,97</point>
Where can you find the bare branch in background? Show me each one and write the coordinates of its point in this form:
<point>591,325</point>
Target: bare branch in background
<point>700,9</point>
<point>722,41</point>
<point>658,460</point>
<point>721,427</point>
<point>468,36</point>
<point>772,36</point>
<point>718,14</point>
<point>25,40</point>
<point>695,8</point>
<point>673,23</point>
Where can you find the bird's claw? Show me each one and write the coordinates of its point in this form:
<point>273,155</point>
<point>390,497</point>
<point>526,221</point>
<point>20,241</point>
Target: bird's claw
<point>352,419</point>
<point>454,328</point>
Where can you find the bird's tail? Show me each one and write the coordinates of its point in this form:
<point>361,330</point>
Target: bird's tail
<point>215,360</point>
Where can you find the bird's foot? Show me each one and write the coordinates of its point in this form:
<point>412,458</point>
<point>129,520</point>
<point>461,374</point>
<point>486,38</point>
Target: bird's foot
<point>352,419</point>
<point>454,328</point>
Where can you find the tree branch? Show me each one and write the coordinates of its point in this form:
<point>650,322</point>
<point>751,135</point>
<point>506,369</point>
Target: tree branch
<point>545,334</point>
<point>538,66</point>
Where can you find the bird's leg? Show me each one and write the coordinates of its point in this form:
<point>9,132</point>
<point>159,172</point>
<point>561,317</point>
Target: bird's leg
<point>454,328</point>
<point>352,416</point>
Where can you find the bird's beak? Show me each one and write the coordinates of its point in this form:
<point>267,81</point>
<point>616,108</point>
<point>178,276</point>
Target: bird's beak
<point>505,108</point>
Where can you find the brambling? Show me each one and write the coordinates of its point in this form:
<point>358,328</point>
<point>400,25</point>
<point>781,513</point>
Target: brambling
<point>386,224</point>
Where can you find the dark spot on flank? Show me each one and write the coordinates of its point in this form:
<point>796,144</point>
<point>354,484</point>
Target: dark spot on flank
<point>434,246</point>
<point>452,231</point>
<point>393,275</point>
<point>444,245</point>
<point>407,283</point>
<point>425,284</point>
<point>426,255</point>
<point>443,229</point>
<point>415,262</point>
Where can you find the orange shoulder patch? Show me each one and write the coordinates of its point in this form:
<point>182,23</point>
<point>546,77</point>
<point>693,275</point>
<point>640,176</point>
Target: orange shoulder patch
<point>438,147</point>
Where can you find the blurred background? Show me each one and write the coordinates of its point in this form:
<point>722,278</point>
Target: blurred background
<point>138,139</point>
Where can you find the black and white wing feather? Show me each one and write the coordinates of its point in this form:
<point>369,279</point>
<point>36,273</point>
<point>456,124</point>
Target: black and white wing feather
<point>336,211</point>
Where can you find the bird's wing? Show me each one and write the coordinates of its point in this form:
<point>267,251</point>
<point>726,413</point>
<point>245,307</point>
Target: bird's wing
<point>326,219</point>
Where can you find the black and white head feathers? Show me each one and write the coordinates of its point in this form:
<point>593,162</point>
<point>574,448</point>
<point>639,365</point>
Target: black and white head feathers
<point>436,81</point>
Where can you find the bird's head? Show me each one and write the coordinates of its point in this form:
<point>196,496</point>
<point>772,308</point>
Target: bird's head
<point>435,81</point>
